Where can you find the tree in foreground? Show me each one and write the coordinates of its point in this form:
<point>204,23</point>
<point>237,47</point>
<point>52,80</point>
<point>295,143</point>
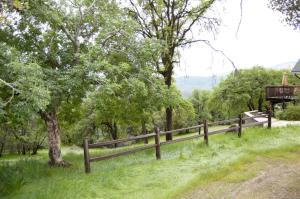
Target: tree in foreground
<point>170,22</point>
<point>55,35</point>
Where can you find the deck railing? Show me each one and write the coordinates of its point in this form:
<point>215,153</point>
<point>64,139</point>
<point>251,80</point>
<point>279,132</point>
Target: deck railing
<point>282,92</point>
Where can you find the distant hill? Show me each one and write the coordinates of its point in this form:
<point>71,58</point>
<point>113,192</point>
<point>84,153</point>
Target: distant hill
<point>186,84</point>
<point>285,65</point>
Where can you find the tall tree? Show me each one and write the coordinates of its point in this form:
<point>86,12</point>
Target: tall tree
<point>56,35</point>
<point>171,22</point>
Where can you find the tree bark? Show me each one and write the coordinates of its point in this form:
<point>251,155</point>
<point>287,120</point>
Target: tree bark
<point>114,132</point>
<point>1,149</point>
<point>23,149</point>
<point>55,156</point>
<point>260,104</point>
<point>144,131</point>
<point>169,109</point>
<point>35,147</point>
<point>169,120</point>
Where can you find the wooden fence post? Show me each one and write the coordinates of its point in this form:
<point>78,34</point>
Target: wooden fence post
<point>199,123</point>
<point>240,125</point>
<point>86,155</point>
<point>205,132</point>
<point>269,118</point>
<point>157,143</point>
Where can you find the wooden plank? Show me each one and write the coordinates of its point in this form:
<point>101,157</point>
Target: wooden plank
<point>157,143</point>
<point>100,144</point>
<point>181,139</point>
<point>86,155</point>
<point>104,157</point>
<point>254,124</point>
<point>222,130</point>
<point>179,130</point>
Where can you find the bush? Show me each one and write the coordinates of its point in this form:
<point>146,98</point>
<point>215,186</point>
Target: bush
<point>291,113</point>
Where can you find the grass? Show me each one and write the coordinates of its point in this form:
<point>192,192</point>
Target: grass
<point>183,166</point>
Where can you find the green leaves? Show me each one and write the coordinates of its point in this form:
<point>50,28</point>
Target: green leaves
<point>30,85</point>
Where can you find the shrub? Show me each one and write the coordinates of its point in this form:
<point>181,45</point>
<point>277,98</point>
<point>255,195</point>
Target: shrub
<point>292,112</point>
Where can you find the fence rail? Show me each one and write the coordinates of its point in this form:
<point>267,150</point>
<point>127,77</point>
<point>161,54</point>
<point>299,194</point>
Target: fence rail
<point>157,133</point>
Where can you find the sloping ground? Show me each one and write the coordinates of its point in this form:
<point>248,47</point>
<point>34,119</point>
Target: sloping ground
<point>278,179</point>
<point>223,166</point>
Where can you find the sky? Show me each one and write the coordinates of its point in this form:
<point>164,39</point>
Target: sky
<point>263,39</point>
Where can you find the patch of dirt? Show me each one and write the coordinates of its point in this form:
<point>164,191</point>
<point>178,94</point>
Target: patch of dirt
<point>276,180</point>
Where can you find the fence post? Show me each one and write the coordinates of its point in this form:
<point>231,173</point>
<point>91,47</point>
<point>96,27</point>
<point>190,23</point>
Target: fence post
<point>205,132</point>
<point>240,125</point>
<point>199,123</point>
<point>157,142</point>
<point>269,118</point>
<point>86,155</point>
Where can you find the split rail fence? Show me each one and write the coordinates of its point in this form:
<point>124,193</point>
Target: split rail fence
<point>157,133</point>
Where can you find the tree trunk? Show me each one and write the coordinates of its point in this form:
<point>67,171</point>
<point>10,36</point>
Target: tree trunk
<point>1,149</point>
<point>55,157</point>
<point>35,148</point>
<point>260,104</point>
<point>169,110</point>
<point>144,131</point>
<point>169,120</point>
<point>23,149</point>
<point>114,132</point>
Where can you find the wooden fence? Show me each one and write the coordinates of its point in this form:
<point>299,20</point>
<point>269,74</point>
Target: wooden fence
<point>157,133</point>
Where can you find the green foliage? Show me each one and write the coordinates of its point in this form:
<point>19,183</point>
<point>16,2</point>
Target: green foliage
<point>183,111</point>
<point>200,101</point>
<point>292,113</point>
<point>244,91</point>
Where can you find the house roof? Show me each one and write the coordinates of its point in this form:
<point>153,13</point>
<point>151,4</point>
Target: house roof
<point>296,68</point>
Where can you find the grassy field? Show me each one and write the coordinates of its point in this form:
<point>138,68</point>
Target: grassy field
<point>183,166</point>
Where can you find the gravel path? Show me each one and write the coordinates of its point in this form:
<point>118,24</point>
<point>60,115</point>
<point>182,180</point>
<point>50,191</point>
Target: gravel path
<point>276,180</point>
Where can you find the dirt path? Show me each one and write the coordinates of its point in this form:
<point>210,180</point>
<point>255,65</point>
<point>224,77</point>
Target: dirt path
<point>278,179</point>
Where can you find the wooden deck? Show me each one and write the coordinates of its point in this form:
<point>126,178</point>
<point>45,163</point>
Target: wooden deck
<point>282,93</point>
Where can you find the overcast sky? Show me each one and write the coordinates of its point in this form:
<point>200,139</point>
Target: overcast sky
<point>263,39</point>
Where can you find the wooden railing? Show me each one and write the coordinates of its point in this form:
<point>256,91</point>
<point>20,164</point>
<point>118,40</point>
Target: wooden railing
<point>157,133</point>
<point>282,92</point>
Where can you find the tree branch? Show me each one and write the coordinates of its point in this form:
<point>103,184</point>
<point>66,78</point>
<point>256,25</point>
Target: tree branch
<point>213,48</point>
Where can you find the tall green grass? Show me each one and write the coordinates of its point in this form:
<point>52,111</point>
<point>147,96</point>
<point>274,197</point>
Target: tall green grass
<point>183,166</point>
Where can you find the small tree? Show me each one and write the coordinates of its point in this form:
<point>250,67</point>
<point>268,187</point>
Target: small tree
<point>200,100</point>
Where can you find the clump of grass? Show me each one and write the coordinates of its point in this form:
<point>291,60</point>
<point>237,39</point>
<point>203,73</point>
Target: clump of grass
<point>13,175</point>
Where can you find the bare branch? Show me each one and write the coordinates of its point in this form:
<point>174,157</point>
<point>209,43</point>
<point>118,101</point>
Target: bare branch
<point>241,18</point>
<point>13,91</point>
<point>213,48</point>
